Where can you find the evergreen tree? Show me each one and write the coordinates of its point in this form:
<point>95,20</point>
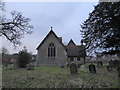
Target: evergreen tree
<point>23,58</point>
<point>101,31</point>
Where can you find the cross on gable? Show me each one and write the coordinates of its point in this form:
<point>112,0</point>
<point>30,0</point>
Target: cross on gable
<point>51,28</point>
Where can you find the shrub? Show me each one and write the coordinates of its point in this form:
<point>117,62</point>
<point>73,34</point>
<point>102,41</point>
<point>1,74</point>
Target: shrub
<point>23,58</point>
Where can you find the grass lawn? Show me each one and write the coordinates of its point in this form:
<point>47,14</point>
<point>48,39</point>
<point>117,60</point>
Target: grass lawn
<point>56,77</point>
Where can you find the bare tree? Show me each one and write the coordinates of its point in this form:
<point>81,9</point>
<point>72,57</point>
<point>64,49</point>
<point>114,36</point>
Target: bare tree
<point>15,28</point>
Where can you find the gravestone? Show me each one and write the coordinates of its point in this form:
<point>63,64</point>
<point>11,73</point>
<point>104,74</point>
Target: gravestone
<point>111,63</point>
<point>6,65</point>
<point>30,67</point>
<point>109,68</point>
<point>92,68</point>
<point>68,65</point>
<point>99,64</point>
<point>116,63</point>
<point>62,66</point>
<point>73,68</point>
<point>118,70</point>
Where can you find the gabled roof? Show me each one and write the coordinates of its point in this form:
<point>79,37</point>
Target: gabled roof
<point>75,51</point>
<point>71,42</point>
<point>46,38</point>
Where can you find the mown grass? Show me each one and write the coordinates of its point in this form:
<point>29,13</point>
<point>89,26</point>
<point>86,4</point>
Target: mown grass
<point>56,77</point>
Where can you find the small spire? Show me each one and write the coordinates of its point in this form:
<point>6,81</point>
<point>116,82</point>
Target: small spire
<point>51,28</point>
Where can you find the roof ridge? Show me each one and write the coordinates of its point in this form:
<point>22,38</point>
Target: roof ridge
<point>74,45</point>
<point>51,31</point>
<point>71,41</point>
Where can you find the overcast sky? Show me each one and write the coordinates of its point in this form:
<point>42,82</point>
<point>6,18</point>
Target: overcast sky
<point>64,17</point>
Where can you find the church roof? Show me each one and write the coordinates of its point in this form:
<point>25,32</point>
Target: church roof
<point>75,50</point>
<point>72,49</point>
<point>59,38</point>
<point>71,42</point>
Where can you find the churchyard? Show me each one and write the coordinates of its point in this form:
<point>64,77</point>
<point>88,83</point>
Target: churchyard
<point>59,77</point>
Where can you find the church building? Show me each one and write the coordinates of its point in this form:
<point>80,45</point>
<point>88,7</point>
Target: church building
<point>52,52</point>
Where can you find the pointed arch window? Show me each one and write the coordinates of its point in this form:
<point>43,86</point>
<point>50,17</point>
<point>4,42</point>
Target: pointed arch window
<point>51,50</point>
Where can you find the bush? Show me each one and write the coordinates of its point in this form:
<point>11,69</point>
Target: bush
<point>23,58</point>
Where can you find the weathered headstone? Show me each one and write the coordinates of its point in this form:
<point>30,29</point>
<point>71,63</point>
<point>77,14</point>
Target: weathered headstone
<point>62,66</point>
<point>109,68</point>
<point>118,70</point>
<point>68,65</point>
<point>116,63</point>
<point>99,64</point>
<point>73,68</point>
<point>111,63</point>
<point>30,67</point>
<point>92,68</point>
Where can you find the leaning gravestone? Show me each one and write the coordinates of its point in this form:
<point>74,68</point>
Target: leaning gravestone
<point>92,68</point>
<point>118,70</point>
<point>73,68</point>
<point>99,64</point>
